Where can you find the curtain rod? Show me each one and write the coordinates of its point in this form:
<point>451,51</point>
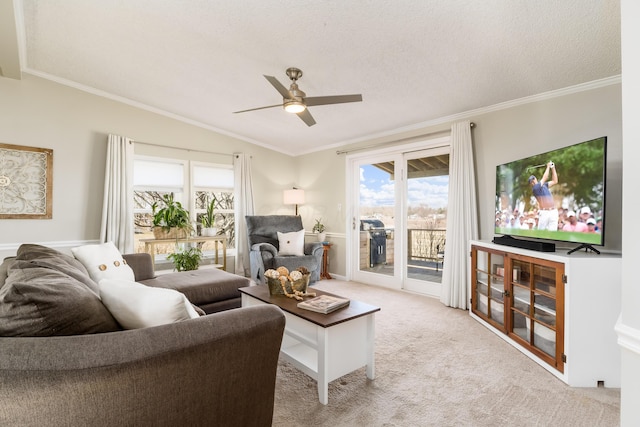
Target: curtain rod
<point>384,144</point>
<point>178,148</point>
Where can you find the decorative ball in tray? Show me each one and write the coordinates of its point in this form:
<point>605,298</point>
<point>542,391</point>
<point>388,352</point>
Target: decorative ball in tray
<point>292,284</point>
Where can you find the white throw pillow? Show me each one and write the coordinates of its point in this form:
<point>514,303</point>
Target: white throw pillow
<point>135,305</point>
<point>103,261</point>
<point>291,243</point>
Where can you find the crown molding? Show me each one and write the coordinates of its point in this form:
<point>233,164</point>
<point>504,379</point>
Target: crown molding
<point>471,114</point>
<point>467,115</point>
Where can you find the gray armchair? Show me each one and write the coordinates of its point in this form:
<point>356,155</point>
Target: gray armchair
<point>262,232</point>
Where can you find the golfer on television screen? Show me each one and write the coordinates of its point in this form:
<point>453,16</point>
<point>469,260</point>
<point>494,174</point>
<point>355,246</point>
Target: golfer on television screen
<point>547,212</point>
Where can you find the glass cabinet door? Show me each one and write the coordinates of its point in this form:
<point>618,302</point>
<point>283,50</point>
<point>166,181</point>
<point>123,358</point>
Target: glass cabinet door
<point>523,297</point>
<point>533,308</point>
<point>488,286</point>
<point>544,309</point>
<point>521,302</point>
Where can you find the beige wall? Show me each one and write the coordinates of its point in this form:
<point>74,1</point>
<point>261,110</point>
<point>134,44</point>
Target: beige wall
<point>36,112</point>
<point>322,176</point>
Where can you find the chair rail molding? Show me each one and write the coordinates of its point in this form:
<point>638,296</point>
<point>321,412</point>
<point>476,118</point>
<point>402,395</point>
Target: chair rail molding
<point>628,337</point>
<point>10,249</point>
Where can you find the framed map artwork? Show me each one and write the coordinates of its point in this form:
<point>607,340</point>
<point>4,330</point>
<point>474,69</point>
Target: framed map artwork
<point>26,182</point>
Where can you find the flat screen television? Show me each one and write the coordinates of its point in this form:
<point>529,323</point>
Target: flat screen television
<point>558,195</point>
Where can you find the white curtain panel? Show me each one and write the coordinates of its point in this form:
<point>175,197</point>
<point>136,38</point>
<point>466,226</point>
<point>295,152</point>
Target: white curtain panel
<point>117,208</point>
<point>462,218</point>
<point>243,206</point>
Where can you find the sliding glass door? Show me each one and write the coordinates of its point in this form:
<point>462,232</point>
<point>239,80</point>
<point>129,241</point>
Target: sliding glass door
<point>427,195</point>
<point>398,222</point>
<point>375,220</point>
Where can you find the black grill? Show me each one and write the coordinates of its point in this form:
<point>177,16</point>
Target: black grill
<point>377,240</point>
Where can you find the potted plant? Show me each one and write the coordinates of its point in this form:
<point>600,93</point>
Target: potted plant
<point>187,259</point>
<point>208,220</point>
<point>171,220</point>
<point>319,228</point>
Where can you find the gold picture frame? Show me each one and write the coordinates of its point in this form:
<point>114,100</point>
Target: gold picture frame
<point>26,182</point>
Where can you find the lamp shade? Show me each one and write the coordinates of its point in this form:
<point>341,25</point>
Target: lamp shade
<point>293,197</point>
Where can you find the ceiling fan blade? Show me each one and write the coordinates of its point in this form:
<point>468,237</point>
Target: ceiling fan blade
<point>275,83</point>
<point>337,99</point>
<point>307,117</point>
<point>259,108</point>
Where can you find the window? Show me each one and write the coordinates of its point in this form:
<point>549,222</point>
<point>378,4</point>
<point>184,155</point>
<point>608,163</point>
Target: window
<point>214,183</point>
<point>194,184</point>
<point>152,179</point>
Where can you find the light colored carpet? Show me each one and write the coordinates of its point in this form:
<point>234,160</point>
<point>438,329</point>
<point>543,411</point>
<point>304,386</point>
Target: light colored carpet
<point>436,366</point>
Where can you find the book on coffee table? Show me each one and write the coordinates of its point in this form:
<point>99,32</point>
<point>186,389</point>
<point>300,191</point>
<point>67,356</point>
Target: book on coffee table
<point>324,304</point>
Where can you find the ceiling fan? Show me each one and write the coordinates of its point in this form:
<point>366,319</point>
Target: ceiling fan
<point>296,101</point>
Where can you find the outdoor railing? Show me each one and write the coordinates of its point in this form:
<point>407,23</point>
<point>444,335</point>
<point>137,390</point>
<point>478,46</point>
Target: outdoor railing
<point>423,244</point>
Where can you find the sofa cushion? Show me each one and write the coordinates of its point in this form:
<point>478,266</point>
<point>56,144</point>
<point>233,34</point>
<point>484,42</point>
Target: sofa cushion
<point>43,256</point>
<point>202,286</point>
<point>135,305</point>
<point>291,243</point>
<point>103,261</point>
<point>41,301</point>
<point>141,264</point>
<point>4,269</point>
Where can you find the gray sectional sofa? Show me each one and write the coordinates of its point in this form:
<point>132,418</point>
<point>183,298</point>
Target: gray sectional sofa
<point>211,289</point>
<point>67,362</point>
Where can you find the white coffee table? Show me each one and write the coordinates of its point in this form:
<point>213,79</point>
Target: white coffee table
<point>323,346</point>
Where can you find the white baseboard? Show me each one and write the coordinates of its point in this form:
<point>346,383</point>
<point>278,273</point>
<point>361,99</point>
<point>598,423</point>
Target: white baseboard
<point>334,276</point>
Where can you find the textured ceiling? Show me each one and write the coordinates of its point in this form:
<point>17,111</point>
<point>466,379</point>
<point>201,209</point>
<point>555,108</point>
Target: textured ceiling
<point>413,61</point>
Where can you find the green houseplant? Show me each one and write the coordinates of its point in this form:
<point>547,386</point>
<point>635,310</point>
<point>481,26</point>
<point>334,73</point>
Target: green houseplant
<point>171,220</point>
<point>187,259</point>
<point>319,228</point>
<point>208,220</point>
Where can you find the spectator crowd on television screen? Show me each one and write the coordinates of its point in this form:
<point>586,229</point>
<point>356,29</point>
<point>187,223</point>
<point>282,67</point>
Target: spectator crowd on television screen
<point>583,220</point>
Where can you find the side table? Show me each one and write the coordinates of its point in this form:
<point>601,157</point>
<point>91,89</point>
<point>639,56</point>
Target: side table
<point>150,247</point>
<point>324,273</point>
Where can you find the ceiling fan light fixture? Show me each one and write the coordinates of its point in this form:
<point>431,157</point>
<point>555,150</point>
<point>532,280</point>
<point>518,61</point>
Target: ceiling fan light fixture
<point>294,106</point>
<point>295,101</point>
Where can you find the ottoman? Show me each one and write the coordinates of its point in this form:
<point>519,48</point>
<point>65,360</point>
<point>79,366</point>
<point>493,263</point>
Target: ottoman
<point>212,290</point>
